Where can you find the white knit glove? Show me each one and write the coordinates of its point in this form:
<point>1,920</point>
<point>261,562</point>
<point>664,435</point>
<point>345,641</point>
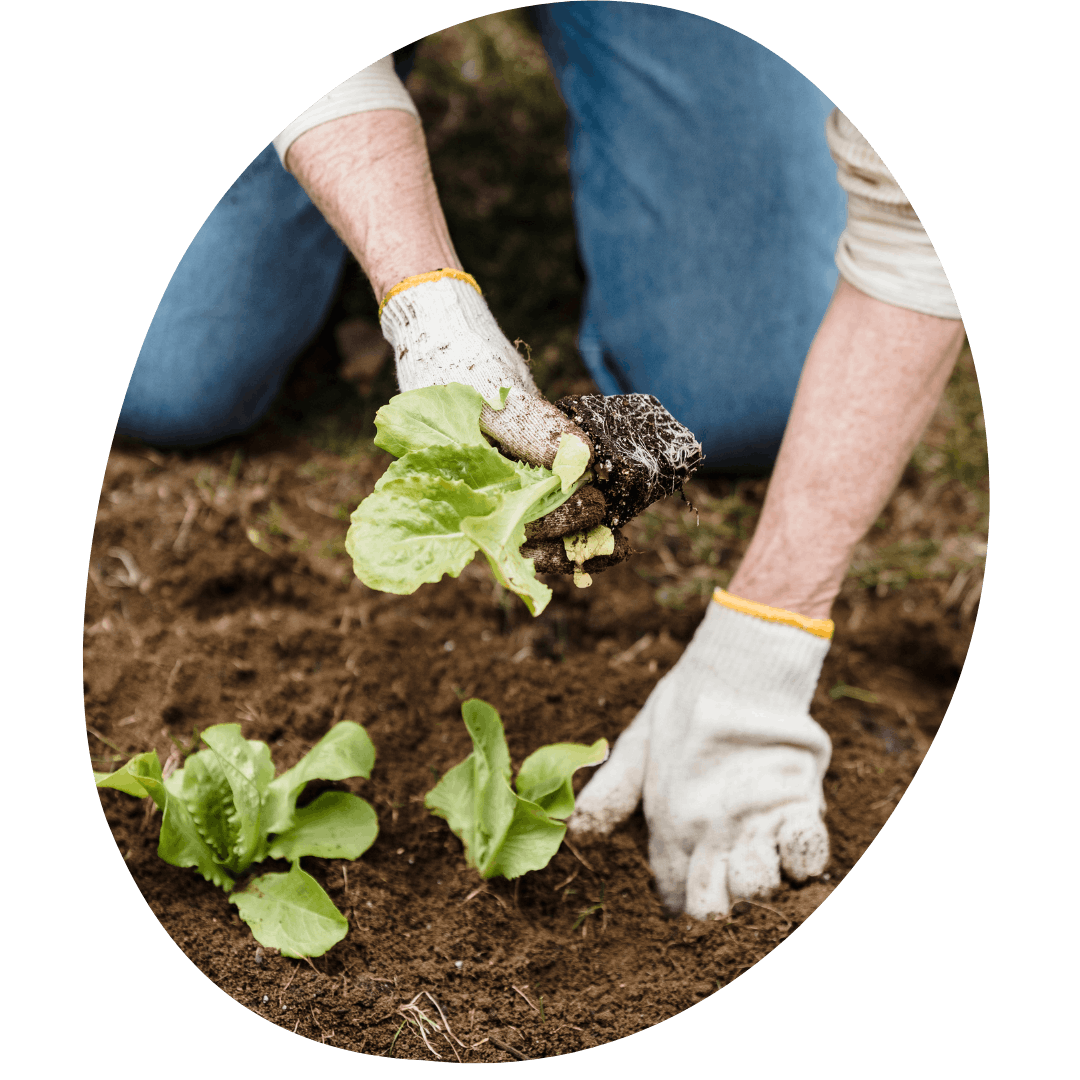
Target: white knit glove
<point>442,332</point>
<point>728,761</point>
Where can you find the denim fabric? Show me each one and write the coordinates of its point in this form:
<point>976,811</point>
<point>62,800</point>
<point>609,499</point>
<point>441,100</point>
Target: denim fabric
<point>707,212</point>
<point>250,292</point>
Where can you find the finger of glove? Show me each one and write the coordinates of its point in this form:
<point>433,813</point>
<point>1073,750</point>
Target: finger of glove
<point>529,428</point>
<point>670,863</point>
<point>803,841</point>
<point>584,510</point>
<point>754,862</point>
<point>705,876</point>
<point>614,791</point>
<point>549,556</point>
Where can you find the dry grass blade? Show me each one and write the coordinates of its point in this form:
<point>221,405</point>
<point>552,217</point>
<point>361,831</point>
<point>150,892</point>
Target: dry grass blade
<point>185,526</point>
<point>521,991</point>
<point>577,855</point>
<point>765,907</point>
<point>577,870</point>
<point>633,652</point>
<point>442,1016</point>
<point>507,1047</point>
<point>108,742</point>
<point>418,1020</point>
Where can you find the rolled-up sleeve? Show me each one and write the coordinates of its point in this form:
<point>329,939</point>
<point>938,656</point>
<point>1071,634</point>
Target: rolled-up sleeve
<point>884,250</point>
<point>376,87</point>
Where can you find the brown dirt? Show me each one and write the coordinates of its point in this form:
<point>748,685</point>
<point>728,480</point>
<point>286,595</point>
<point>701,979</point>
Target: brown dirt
<point>219,592</point>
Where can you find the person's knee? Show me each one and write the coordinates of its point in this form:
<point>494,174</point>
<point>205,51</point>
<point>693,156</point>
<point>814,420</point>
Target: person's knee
<point>192,411</point>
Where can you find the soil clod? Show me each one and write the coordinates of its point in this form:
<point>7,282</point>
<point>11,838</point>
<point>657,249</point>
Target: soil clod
<point>642,452</point>
<point>549,556</point>
<point>582,511</point>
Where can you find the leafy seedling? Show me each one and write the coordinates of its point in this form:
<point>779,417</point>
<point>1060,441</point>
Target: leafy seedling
<point>224,811</point>
<point>508,831</point>
<point>449,494</point>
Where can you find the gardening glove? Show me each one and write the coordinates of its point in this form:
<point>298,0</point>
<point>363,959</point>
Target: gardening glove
<point>442,332</point>
<point>727,760</point>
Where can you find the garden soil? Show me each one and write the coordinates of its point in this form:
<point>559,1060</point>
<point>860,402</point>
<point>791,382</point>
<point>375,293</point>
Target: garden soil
<point>219,593</point>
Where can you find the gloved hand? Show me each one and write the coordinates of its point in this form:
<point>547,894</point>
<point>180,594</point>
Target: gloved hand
<point>442,331</point>
<point>727,759</point>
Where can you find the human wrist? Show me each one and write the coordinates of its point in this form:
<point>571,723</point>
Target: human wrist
<point>808,591</point>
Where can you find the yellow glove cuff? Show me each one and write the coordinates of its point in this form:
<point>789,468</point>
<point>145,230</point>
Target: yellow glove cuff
<point>421,279</point>
<point>822,628</point>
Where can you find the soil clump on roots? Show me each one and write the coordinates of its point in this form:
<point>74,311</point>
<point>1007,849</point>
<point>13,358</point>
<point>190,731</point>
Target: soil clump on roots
<point>642,453</point>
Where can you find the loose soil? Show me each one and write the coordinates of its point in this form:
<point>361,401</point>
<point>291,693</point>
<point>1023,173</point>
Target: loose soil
<point>219,592</point>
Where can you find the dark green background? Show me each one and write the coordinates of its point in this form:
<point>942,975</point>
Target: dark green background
<point>125,122</point>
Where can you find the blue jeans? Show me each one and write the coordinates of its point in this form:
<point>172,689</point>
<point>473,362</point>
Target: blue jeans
<point>707,213</point>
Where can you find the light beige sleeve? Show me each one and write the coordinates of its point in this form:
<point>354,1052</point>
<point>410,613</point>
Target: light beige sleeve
<point>884,250</point>
<point>376,87</point>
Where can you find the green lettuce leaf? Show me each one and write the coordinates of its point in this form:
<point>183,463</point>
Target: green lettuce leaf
<point>546,776</point>
<point>140,777</point>
<point>451,493</point>
<point>571,460</point>
<point>500,534</point>
<point>336,825</point>
<point>219,810</point>
<point>248,770</point>
<point>343,752</point>
<point>409,533</point>
<point>504,833</point>
<point>481,468</point>
<point>291,912</point>
<point>430,416</point>
<point>180,842</point>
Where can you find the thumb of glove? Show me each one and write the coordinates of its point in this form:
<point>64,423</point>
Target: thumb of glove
<point>614,791</point>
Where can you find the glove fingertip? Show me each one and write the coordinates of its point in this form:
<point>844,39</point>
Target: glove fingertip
<point>804,845</point>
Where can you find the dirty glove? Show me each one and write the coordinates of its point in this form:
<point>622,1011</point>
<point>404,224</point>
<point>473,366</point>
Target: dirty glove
<point>442,332</point>
<point>727,760</point>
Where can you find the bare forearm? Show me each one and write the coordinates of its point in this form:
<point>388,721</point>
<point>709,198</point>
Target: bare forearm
<point>370,176</point>
<point>872,379</point>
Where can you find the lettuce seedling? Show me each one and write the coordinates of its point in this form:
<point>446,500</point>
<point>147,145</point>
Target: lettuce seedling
<point>451,493</point>
<point>224,811</point>
<point>508,832</point>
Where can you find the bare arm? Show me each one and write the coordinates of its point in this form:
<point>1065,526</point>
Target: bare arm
<point>871,381</point>
<point>370,176</point>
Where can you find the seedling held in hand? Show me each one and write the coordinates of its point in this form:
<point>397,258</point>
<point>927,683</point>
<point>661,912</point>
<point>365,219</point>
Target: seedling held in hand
<point>451,493</point>
<point>224,811</point>
<point>508,832</point>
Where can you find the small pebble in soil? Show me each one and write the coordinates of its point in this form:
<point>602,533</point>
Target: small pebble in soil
<point>448,646</point>
<point>411,861</point>
<point>266,998</point>
<point>459,963</point>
